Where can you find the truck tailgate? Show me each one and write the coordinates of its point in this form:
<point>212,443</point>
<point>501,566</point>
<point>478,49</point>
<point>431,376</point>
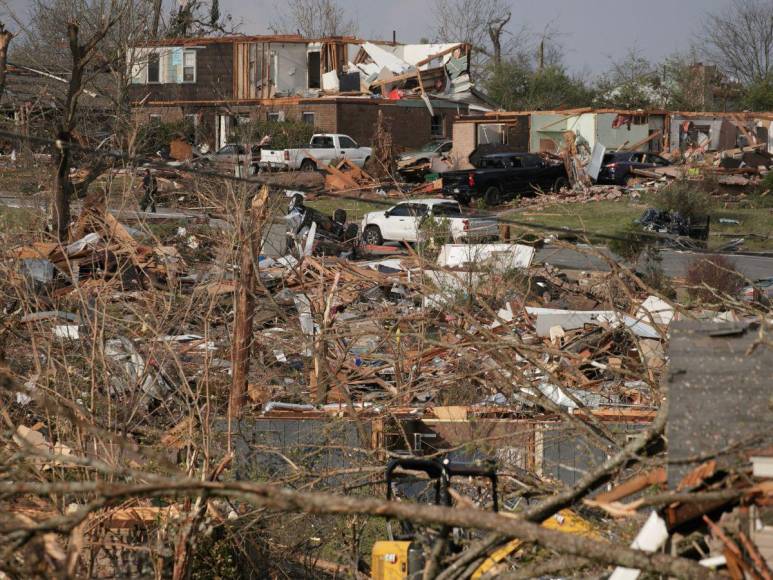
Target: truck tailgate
<point>272,156</point>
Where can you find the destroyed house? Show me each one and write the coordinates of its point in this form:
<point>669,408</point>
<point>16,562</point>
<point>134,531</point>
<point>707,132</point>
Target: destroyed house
<point>544,131</point>
<point>652,131</point>
<point>32,99</point>
<point>336,84</point>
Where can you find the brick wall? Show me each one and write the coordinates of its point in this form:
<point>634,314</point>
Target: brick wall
<point>410,126</point>
<point>168,114</point>
<point>214,79</point>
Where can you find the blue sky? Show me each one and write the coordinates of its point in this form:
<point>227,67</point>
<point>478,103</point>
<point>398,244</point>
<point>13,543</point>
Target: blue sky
<point>591,31</point>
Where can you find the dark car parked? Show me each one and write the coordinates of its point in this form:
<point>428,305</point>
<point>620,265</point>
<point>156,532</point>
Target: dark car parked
<point>616,167</point>
<point>502,176</point>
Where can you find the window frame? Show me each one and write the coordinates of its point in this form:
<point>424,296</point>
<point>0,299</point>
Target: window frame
<point>157,58</point>
<point>311,114</point>
<point>190,52</point>
<point>437,126</point>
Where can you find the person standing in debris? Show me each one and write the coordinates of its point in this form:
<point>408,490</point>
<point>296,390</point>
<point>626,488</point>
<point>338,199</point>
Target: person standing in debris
<point>150,186</point>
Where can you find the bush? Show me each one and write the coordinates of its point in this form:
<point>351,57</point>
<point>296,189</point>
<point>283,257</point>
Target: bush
<point>153,137</point>
<point>685,198</point>
<point>284,134</point>
<point>711,277</point>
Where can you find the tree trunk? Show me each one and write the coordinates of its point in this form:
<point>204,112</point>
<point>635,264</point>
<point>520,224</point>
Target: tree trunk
<point>5,40</point>
<point>62,186</point>
<point>63,157</point>
<point>244,303</point>
<point>156,18</point>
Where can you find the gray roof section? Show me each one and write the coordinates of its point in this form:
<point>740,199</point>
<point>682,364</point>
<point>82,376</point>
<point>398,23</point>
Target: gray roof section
<point>720,390</point>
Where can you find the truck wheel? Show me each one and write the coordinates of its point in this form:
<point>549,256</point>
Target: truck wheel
<point>372,236</point>
<point>308,165</point>
<point>560,184</point>
<point>493,196</point>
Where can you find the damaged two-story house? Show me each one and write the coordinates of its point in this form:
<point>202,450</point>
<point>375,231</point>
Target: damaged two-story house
<point>337,84</point>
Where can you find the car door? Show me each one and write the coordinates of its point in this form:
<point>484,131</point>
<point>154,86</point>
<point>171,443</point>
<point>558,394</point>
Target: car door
<point>394,219</point>
<point>351,151</point>
<point>323,148</point>
<point>417,214</point>
<point>401,223</point>
<point>512,176</point>
<point>537,173</point>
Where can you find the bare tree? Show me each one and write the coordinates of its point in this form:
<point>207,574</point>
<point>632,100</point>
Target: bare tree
<point>5,40</point>
<point>740,39</point>
<point>82,54</point>
<point>480,23</point>
<point>314,19</point>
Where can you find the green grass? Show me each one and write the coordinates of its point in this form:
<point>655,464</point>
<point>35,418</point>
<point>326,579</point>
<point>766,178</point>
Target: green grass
<point>614,217</point>
<point>355,209</point>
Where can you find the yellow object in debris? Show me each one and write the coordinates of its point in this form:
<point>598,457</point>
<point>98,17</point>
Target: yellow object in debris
<point>564,521</point>
<point>389,560</point>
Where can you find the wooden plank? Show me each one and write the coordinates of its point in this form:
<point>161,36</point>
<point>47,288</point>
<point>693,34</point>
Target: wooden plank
<point>633,485</point>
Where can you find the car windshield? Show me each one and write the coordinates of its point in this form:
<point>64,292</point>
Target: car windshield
<point>430,146</point>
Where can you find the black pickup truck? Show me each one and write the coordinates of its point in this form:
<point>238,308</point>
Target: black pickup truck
<point>502,176</point>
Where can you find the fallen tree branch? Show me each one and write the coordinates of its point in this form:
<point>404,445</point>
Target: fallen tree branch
<point>283,499</point>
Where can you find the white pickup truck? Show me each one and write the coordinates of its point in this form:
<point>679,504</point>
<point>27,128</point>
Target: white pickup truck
<point>323,148</point>
<point>403,222</point>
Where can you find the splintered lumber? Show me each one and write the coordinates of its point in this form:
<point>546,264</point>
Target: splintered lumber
<point>633,485</point>
<point>244,302</point>
<point>347,176</point>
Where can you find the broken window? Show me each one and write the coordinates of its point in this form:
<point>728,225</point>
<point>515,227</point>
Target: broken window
<point>155,119</point>
<point>189,66</point>
<point>154,68</point>
<point>309,119</point>
<point>438,127</point>
<point>273,117</point>
<point>491,133</point>
<point>314,64</point>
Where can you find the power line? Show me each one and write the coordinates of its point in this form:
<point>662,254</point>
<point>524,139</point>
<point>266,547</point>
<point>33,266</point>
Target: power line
<point>134,160</point>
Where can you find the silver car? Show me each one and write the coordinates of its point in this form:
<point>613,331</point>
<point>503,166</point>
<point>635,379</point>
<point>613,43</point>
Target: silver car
<point>424,155</point>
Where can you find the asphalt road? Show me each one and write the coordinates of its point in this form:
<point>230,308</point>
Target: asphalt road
<point>675,263</point>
